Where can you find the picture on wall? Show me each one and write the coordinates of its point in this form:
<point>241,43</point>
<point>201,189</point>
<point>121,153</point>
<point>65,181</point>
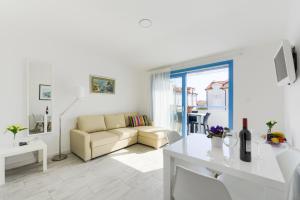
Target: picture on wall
<point>45,92</point>
<point>102,85</point>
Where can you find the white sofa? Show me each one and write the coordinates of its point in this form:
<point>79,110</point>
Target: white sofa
<point>96,135</point>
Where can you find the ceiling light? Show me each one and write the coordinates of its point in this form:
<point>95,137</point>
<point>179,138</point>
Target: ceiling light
<point>145,23</point>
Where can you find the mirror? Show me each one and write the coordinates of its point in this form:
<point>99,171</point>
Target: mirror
<point>39,89</point>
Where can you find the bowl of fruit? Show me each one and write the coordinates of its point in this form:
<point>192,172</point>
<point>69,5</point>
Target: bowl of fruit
<point>276,138</point>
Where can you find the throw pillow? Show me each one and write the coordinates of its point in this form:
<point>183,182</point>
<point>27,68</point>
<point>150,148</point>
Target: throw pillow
<point>138,120</point>
<point>146,120</point>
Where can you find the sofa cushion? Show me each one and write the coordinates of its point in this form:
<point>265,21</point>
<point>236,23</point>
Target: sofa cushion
<point>103,138</point>
<point>115,121</point>
<point>138,120</point>
<point>151,132</point>
<point>156,143</point>
<point>91,123</point>
<point>125,133</point>
<point>126,115</point>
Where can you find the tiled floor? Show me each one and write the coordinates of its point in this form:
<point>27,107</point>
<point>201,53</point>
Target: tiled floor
<point>128,174</point>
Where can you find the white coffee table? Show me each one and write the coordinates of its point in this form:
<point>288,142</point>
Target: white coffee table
<point>32,146</point>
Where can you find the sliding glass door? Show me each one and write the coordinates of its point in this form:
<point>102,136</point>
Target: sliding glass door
<point>200,90</point>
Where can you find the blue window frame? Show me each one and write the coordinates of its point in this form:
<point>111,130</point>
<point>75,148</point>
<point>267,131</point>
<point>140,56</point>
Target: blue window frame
<point>182,73</point>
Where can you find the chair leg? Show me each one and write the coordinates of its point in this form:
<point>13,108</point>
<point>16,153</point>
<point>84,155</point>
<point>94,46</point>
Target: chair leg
<point>200,128</point>
<point>203,128</point>
<point>206,129</point>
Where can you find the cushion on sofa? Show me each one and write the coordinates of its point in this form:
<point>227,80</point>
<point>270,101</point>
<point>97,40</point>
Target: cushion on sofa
<point>151,132</point>
<point>115,121</point>
<point>126,115</point>
<point>103,138</point>
<point>138,120</point>
<point>125,133</point>
<point>91,123</point>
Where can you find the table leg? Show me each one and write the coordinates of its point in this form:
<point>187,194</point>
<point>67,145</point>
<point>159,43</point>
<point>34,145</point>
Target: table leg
<point>39,157</point>
<point>2,170</point>
<point>45,159</point>
<point>168,175</point>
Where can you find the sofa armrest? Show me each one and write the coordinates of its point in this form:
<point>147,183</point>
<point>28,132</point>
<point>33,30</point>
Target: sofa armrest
<point>80,144</point>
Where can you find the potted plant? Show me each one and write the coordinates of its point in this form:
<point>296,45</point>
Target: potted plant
<point>270,125</point>
<point>15,129</point>
<point>216,134</point>
<point>190,109</point>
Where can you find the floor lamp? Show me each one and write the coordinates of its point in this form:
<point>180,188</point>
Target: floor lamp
<point>80,94</point>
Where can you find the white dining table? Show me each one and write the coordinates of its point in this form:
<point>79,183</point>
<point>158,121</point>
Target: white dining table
<point>197,149</point>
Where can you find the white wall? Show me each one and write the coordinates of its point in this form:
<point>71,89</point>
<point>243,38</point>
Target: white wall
<point>71,66</point>
<point>256,95</point>
<point>292,92</point>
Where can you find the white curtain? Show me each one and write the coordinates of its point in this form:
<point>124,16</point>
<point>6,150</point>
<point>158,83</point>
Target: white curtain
<point>162,100</point>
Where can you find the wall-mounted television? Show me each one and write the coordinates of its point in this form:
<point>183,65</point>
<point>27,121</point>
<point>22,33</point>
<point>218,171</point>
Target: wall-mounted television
<point>285,64</point>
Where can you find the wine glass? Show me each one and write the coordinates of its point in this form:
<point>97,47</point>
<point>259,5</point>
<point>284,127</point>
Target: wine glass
<point>230,140</point>
<point>257,140</point>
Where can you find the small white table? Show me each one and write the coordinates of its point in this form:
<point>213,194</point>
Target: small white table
<point>35,145</point>
<point>196,149</point>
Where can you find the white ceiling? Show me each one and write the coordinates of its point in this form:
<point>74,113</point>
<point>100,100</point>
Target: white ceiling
<point>182,29</point>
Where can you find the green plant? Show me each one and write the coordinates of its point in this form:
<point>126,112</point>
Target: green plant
<point>15,129</point>
<point>270,124</point>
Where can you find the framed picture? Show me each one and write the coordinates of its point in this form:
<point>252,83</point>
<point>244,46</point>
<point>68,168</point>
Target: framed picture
<point>45,92</point>
<point>103,85</point>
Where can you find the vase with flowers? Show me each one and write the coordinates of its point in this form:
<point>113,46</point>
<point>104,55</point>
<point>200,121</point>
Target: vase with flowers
<point>15,129</point>
<point>216,135</point>
<point>270,125</point>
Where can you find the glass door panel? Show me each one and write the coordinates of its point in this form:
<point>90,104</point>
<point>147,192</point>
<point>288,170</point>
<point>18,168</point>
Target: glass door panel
<point>208,93</point>
<point>176,103</point>
<point>203,89</point>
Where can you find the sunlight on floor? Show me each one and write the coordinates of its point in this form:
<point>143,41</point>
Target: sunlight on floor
<point>139,159</point>
<point>133,173</point>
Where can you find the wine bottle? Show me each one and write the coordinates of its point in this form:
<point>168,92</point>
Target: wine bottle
<point>245,142</point>
<point>46,120</point>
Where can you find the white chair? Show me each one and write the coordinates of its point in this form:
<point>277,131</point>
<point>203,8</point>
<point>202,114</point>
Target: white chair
<point>294,186</point>
<point>193,186</point>
<point>241,189</point>
<point>288,161</point>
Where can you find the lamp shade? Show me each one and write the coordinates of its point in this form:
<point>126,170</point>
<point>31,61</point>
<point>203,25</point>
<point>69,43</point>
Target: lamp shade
<point>80,92</point>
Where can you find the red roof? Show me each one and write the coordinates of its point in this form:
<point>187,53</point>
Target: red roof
<point>224,85</point>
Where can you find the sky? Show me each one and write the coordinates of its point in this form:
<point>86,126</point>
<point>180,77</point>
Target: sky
<point>200,80</point>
